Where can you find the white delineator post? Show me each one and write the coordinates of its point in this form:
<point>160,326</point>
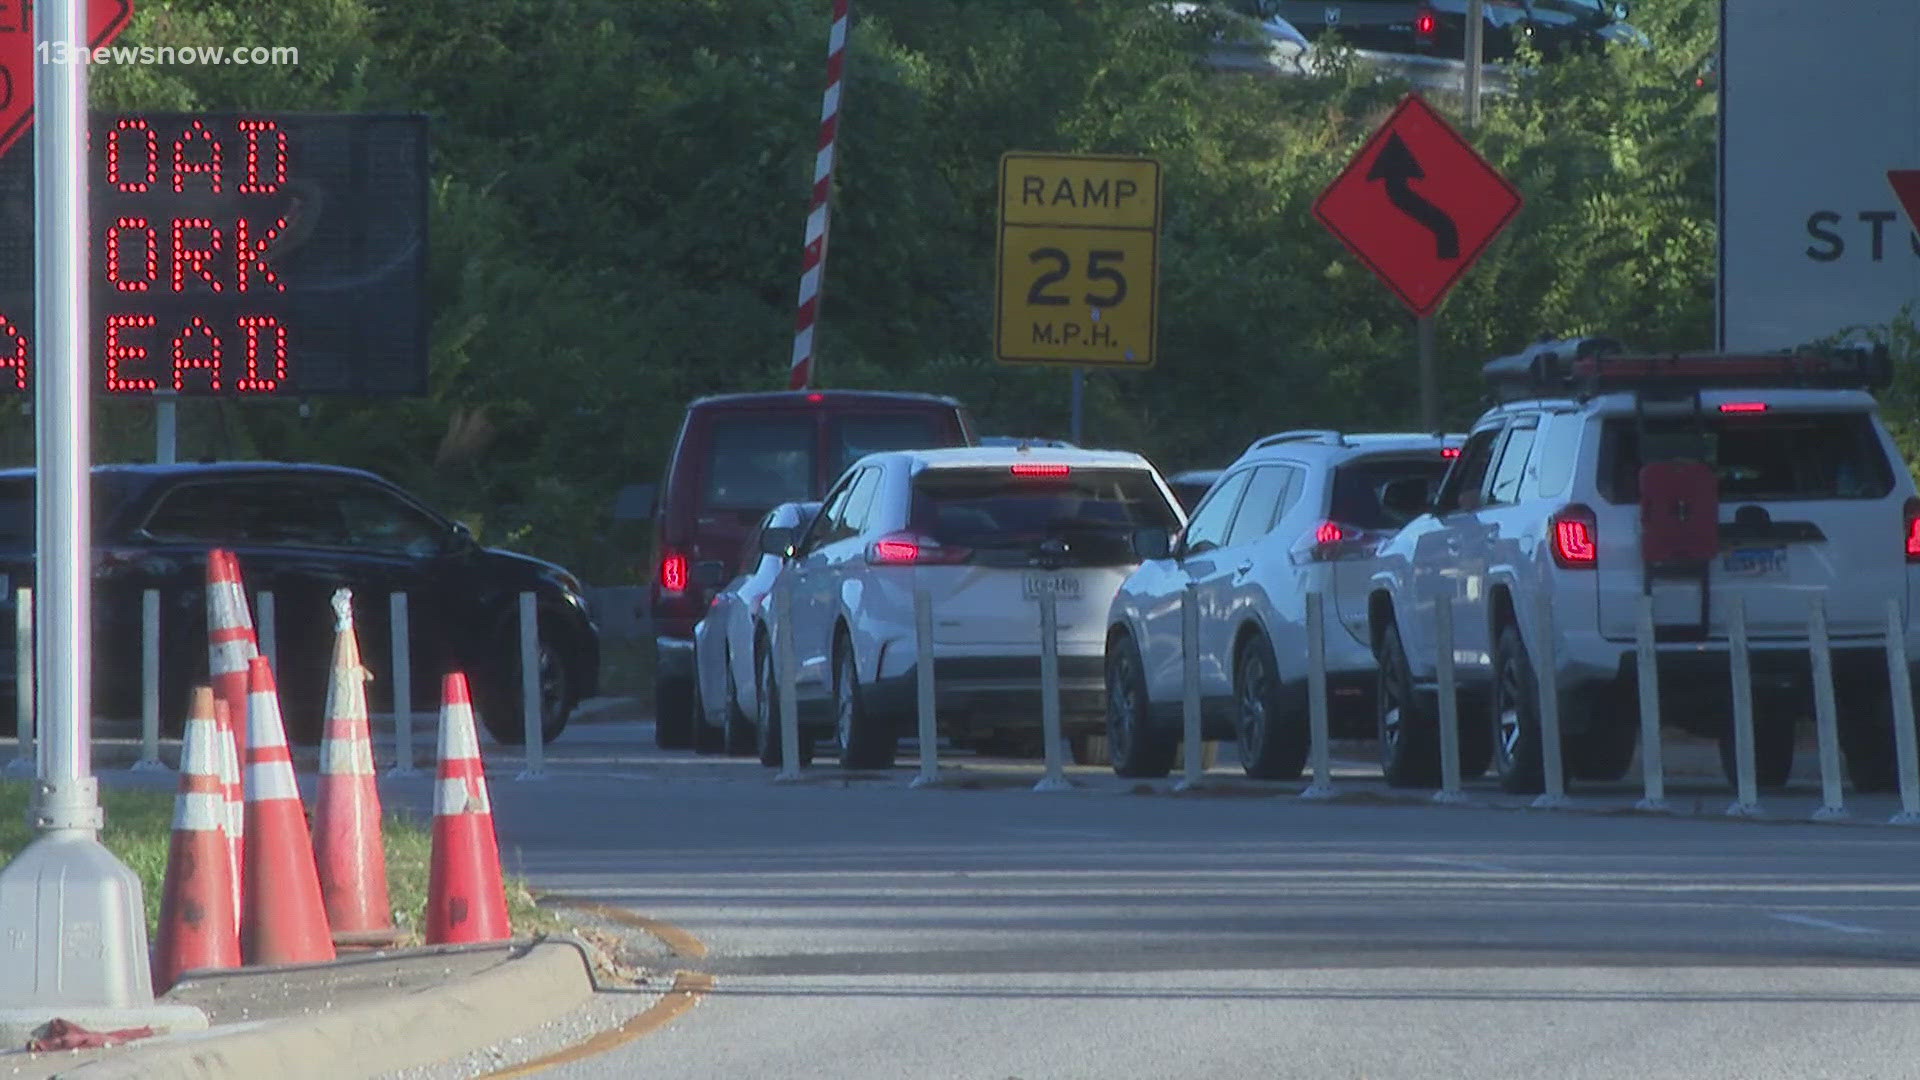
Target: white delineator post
<point>1546,668</point>
<point>536,767</point>
<point>1193,746</point>
<point>1900,683</point>
<point>923,686</point>
<point>1449,710</point>
<point>25,760</point>
<point>1826,713</point>
<point>1747,801</point>
<point>785,675</point>
<point>1653,773</point>
<point>150,682</point>
<point>402,687</point>
<point>813,260</point>
<point>73,927</point>
<point>1056,776</point>
<point>1319,750</point>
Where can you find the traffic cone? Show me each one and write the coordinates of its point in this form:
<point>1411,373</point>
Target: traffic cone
<point>284,921</point>
<point>197,925</point>
<point>466,898</point>
<point>346,817</point>
<point>231,645</point>
<point>236,805</point>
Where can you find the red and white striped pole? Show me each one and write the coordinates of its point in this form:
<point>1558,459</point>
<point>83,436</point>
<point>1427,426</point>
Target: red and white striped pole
<point>813,260</point>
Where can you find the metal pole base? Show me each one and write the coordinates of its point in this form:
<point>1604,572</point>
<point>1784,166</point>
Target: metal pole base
<point>150,765</point>
<point>73,942</point>
<point>1653,806</point>
<point>1318,792</point>
<point>1190,785</point>
<point>531,774</point>
<point>1053,783</point>
<point>787,776</point>
<point>1831,813</point>
<point>1550,801</point>
<point>925,781</point>
<point>1745,810</point>
<point>1904,818</point>
<point>1450,798</point>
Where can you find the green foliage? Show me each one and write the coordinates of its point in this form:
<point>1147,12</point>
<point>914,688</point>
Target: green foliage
<point>620,188</point>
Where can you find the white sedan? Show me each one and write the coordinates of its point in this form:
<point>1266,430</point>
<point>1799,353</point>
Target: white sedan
<point>725,642</point>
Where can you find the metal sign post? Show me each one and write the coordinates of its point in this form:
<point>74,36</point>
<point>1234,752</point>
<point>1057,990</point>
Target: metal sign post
<point>73,929</point>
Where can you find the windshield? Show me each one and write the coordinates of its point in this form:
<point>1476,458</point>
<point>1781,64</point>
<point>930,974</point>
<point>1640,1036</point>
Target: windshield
<point>1092,512</point>
<point>855,436</point>
<point>1762,456</point>
<point>755,461</point>
<point>1359,485</point>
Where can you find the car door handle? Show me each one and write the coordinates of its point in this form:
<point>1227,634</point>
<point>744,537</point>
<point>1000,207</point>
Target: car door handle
<point>1243,569</point>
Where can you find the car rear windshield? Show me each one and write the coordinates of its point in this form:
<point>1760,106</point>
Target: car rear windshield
<point>1758,456</point>
<point>756,461</point>
<point>1357,487</point>
<point>17,508</point>
<point>1092,512</point>
<point>855,436</point>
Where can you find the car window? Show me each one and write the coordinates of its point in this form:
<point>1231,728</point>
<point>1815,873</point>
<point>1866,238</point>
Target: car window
<point>1259,506</point>
<point>1208,526</point>
<point>378,520</point>
<point>860,502</point>
<point>1757,456</point>
<point>1358,486</point>
<point>854,436</point>
<point>1558,445</point>
<point>110,493</point>
<point>826,525</point>
<point>1089,515</point>
<point>248,511</point>
<point>757,460</point>
<point>1462,487</point>
<point>1505,490</point>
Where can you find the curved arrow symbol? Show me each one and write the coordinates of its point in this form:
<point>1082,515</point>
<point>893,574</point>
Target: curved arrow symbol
<point>1396,165</point>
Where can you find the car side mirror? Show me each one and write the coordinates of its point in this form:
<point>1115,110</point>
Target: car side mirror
<point>635,502</point>
<point>1409,496</point>
<point>1152,543</point>
<point>460,537</point>
<point>778,542</point>
<point>710,574</point>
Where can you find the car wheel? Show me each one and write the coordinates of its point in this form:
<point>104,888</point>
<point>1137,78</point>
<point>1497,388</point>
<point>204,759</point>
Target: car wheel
<point>1516,716</point>
<point>1867,738</point>
<point>866,741</point>
<point>673,712</point>
<point>1273,740</point>
<point>1773,738</point>
<point>741,735</point>
<point>767,716</point>
<point>501,710</point>
<point>1409,751</point>
<point>1138,748</point>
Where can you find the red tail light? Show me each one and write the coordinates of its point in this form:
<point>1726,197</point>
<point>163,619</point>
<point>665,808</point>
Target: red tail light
<point>1034,469</point>
<point>1449,452</point>
<point>1575,538</point>
<point>1913,530</point>
<point>910,549</point>
<point>1743,407</point>
<point>1331,541</point>
<point>1329,532</point>
<point>673,572</point>
<point>1424,24</point>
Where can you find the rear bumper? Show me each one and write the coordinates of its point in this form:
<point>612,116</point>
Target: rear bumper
<point>979,692</point>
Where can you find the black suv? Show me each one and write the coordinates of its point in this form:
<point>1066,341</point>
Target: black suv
<point>301,532</point>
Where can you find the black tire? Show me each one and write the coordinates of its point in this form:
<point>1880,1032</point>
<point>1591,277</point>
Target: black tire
<point>1866,738</point>
<point>866,741</point>
<point>767,718</point>
<point>672,712</point>
<point>1604,752</point>
<point>741,737</point>
<point>499,699</point>
<point>1515,716</point>
<point>1476,739</point>
<point>1409,738</point>
<point>1138,748</point>
<point>1273,740</point>
<point>1773,738</point>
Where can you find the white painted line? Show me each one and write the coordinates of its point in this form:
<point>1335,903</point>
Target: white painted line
<point>1465,864</point>
<point>1822,924</point>
<point>1077,834</point>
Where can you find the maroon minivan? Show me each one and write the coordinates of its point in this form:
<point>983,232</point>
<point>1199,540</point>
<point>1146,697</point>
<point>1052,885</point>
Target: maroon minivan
<point>739,455</point>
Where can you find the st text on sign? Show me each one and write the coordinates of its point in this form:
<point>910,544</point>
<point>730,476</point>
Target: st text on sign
<point>1418,205</point>
<point>1079,251</point>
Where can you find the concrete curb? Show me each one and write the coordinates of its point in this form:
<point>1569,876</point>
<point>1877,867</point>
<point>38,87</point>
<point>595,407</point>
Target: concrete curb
<point>549,980</point>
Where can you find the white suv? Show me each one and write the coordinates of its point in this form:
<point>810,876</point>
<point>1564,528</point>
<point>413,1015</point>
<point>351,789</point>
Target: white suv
<point>983,531</point>
<point>1603,478</point>
<point>1299,512</point>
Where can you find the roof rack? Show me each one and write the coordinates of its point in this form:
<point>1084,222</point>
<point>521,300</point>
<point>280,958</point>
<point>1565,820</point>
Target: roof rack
<point>1322,436</point>
<point>1583,367</point>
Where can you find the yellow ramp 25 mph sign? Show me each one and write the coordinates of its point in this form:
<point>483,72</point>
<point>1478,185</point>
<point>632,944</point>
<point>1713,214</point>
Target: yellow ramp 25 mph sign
<point>1079,260</point>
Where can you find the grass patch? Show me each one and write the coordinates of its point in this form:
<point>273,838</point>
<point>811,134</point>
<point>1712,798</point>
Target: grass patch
<point>139,831</point>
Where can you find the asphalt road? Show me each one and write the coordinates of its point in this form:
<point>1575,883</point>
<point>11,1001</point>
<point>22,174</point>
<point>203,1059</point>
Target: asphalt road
<point>861,928</point>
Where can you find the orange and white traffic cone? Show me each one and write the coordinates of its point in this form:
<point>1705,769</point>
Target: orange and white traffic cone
<point>231,645</point>
<point>236,803</point>
<point>285,921</point>
<point>346,818</point>
<point>466,896</point>
<point>197,925</point>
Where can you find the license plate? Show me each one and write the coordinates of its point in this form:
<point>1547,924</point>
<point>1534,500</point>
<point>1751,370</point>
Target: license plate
<point>1754,562</point>
<point>1062,586</point>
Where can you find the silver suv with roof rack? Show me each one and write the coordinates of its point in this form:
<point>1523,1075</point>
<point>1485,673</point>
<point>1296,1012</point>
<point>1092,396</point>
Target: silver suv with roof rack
<point>1299,512</point>
<point>1601,478</point>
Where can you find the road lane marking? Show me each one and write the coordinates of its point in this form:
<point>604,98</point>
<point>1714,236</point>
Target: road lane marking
<point>1821,924</point>
<point>1464,864</point>
<point>687,990</point>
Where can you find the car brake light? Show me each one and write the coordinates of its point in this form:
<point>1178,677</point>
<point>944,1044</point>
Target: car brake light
<point>1329,532</point>
<point>673,572</point>
<point>1425,23</point>
<point>1743,407</point>
<point>1449,452</point>
<point>815,399</point>
<point>1027,468</point>
<point>909,549</point>
<point>1331,541</point>
<point>1574,539</point>
<point>1913,530</point>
